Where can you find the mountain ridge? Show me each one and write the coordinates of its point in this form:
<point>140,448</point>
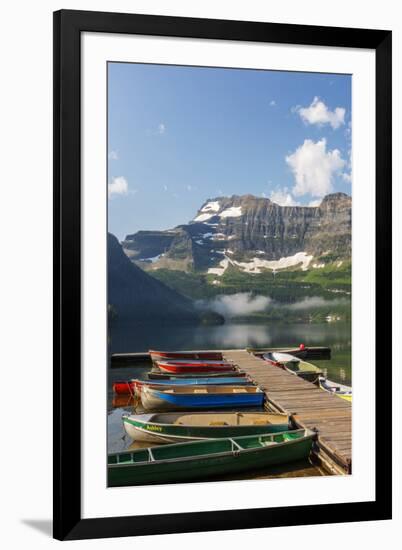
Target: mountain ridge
<point>251,234</point>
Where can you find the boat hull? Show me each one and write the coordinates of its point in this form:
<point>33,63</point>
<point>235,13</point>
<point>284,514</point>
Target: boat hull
<point>140,429</point>
<point>340,390</point>
<point>294,365</point>
<point>166,355</point>
<point>154,375</point>
<point>345,397</point>
<point>177,368</point>
<point>124,388</point>
<point>164,384</point>
<point>199,467</point>
<point>306,375</point>
<point>155,400</point>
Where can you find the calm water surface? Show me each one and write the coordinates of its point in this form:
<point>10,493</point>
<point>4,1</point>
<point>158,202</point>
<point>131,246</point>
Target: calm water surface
<point>126,338</point>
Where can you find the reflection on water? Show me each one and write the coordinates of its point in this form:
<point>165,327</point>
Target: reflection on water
<point>126,338</point>
<point>337,336</point>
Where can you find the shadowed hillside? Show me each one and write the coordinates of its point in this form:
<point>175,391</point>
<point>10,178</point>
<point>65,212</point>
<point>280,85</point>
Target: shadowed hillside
<point>137,297</point>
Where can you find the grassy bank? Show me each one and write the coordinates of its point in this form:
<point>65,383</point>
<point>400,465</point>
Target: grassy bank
<point>285,286</point>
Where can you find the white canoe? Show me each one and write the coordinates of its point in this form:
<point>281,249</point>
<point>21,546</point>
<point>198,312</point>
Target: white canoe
<point>345,392</point>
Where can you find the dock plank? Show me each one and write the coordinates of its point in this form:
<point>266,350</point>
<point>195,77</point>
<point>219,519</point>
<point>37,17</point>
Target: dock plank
<point>309,406</point>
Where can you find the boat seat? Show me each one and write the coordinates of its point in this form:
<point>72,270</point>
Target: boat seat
<point>260,422</point>
<point>200,390</point>
<point>239,390</point>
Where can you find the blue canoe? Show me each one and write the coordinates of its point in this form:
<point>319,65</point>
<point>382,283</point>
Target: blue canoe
<point>201,397</point>
<point>226,381</point>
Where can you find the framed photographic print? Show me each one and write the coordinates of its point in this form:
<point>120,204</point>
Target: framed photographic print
<point>222,274</point>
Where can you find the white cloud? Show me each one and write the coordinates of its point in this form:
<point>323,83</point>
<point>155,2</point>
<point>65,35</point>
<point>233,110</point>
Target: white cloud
<point>283,197</point>
<point>314,167</point>
<point>189,188</point>
<point>315,203</point>
<point>165,187</point>
<point>161,129</point>
<point>272,103</point>
<point>318,113</point>
<point>118,186</point>
<point>347,176</point>
<point>113,155</point>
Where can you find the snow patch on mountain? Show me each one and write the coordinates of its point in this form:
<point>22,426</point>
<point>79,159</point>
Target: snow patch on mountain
<point>255,265</point>
<point>224,264</point>
<point>212,206</point>
<point>153,259</point>
<point>212,209</point>
<point>203,217</point>
<point>232,212</point>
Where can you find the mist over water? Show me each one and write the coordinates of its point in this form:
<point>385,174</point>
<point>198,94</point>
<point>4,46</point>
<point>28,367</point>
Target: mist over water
<point>313,302</point>
<point>243,304</point>
<point>234,305</point>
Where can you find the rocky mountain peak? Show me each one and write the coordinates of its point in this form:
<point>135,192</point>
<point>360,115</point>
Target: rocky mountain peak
<point>336,197</point>
<point>248,233</point>
<point>229,207</point>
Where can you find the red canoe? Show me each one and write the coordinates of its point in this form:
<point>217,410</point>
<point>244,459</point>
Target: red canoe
<point>123,387</point>
<point>192,366</point>
<point>168,355</point>
<point>195,363</point>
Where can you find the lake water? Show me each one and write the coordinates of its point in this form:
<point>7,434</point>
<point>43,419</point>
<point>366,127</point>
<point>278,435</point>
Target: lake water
<point>126,338</point>
<point>336,335</point>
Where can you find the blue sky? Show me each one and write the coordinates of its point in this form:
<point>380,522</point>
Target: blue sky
<point>181,135</point>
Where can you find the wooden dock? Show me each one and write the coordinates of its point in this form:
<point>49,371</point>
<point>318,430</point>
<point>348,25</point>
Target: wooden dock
<point>309,407</point>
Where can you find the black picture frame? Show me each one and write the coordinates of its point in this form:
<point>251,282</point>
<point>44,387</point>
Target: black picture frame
<point>68,26</point>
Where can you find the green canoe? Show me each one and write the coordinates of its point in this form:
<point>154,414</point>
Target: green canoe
<point>305,370</point>
<point>294,365</point>
<point>187,426</point>
<point>205,459</point>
